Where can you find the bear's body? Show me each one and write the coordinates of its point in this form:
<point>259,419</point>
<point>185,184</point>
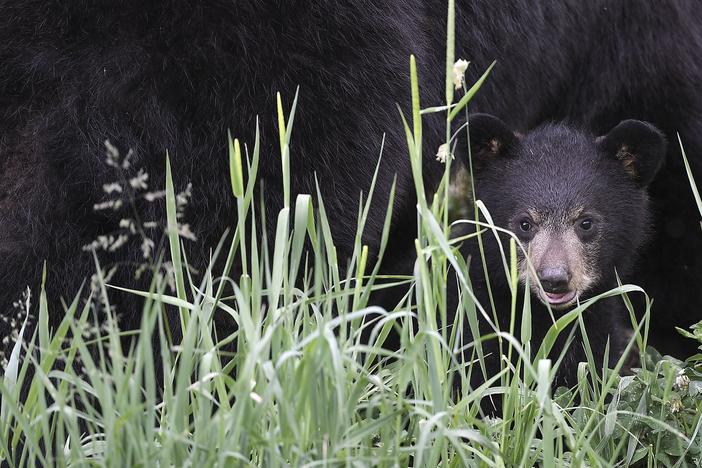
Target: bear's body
<point>163,77</point>
<point>173,76</point>
<point>579,207</point>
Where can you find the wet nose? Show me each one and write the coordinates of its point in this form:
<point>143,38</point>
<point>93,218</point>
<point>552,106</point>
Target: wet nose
<point>554,280</point>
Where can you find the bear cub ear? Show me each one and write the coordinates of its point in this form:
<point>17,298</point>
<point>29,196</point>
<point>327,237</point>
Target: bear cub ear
<point>639,146</point>
<point>489,138</point>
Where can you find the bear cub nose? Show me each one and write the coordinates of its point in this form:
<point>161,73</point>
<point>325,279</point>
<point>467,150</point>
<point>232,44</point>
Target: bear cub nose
<point>554,280</point>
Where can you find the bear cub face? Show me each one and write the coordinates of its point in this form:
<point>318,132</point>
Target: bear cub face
<point>577,203</point>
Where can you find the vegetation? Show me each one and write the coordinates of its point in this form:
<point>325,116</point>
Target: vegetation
<point>306,379</point>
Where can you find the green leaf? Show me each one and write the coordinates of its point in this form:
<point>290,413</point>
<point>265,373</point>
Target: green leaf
<point>174,241</point>
<point>236,172</point>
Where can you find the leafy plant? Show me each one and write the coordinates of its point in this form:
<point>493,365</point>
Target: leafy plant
<point>307,378</point>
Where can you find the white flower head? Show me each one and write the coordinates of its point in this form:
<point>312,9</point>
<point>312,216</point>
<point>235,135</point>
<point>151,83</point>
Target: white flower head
<point>140,181</point>
<point>185,232</point>
<point>111,154</point>
<point>147,247</point>
<point>113,187</point>
<point>676,406</point>
<point>153,196</point>
<point>459,70</point>
<point>443,153</point>
<point>682,381</point>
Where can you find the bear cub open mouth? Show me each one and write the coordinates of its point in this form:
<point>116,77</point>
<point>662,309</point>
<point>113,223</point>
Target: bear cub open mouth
<point>560,299</point>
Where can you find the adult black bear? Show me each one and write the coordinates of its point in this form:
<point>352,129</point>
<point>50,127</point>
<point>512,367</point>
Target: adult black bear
<point>173,76</point>
<point>579,207</point>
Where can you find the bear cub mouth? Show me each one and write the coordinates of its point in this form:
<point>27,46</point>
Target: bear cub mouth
<point>559,300</point>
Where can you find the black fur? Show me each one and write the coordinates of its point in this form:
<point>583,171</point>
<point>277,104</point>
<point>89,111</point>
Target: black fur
<point>175,76</point>
<point>170,76</point>
<point>556,169</point>
<point>595,64</point>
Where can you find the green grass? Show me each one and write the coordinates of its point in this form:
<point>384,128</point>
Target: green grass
<point>309,381</point>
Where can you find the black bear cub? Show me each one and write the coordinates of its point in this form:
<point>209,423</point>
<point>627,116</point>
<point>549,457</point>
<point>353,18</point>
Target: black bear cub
<point>578,205</point>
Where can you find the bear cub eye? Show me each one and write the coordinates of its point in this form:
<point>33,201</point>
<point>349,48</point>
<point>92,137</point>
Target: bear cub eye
<point>586,228</point>
<point>525,225</point>
<point>524,228</point>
